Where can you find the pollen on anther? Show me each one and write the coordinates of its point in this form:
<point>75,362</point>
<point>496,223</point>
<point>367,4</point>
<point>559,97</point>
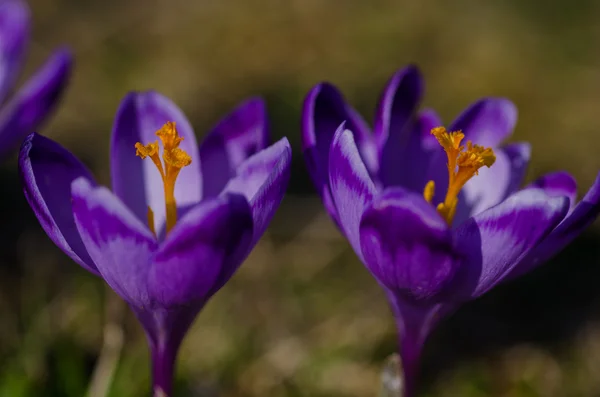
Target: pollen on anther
<point>173,160</point>
<point>429,191</point>
<point>476,157</point>
<point>448,140</point>
<point>169,136</point>
<point>463,164</point>
<point>177,158</point>
<point>148,150</point>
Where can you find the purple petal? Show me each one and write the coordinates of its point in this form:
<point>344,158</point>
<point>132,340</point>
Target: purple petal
<point>487,122</point>
<point>263,180</point>
<point>238,136</point>
<point>33,103</point>
<point>137,182</point>
<point>393,120</point>
<point>496,240</point>
<point>397,106</point>
<point>411,169</point>
<point>434,166</point>
<point>407,245</point>
<point>493,185</point>
<point>351,186</point>
<point>47,170</point>
<point>519,155</point>
<point>120,245</point>
<point>324,110</point>
<point>582,216</point>
<point>14,37</point>
<point>558,183</point>
<point>428,119</point>
<point>190,261</point>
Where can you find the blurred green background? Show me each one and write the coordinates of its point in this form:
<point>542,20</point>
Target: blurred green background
<point>303,317</point>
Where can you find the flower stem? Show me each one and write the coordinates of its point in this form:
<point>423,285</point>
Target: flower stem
<point>414,324</point>
<point>163,369</point>
<point>410,351</point>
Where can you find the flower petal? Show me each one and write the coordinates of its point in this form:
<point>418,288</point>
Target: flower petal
<point>190,261</point>
<point>393,121</point>
<point>496,183</point>
<point>263,180</point>
<point>487,122</point>
<point>428,119</point>
<point>434,165</point>
<point>351,186</point>
<point>558,183</point>
<point>137,182</point>
<point>120,245</point>
<point>407,245</point>
<point>496,240</point>
<point>47,170</point>
<point>14,37</point>
<point>580,217</point>
<point>411,169</point>
<point>238,136</point>
<point>324,110</point>
<point>33,102</point>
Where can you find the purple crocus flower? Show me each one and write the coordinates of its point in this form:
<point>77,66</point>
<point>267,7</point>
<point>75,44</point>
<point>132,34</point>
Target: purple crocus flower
<point>431,231</point>
<point>30,105</point>
<point>164,247</point>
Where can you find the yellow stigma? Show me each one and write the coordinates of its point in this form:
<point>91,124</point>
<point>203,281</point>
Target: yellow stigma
<point>462,166</point>
<point>174,159</point>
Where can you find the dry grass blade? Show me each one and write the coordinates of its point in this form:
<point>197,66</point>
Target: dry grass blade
<point>391,377</point>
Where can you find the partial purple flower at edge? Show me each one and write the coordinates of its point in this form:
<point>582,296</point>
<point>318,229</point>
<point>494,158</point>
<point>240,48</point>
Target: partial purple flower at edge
<point>373,185</point>
<point>28,108</point>
<point>166,264</point>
